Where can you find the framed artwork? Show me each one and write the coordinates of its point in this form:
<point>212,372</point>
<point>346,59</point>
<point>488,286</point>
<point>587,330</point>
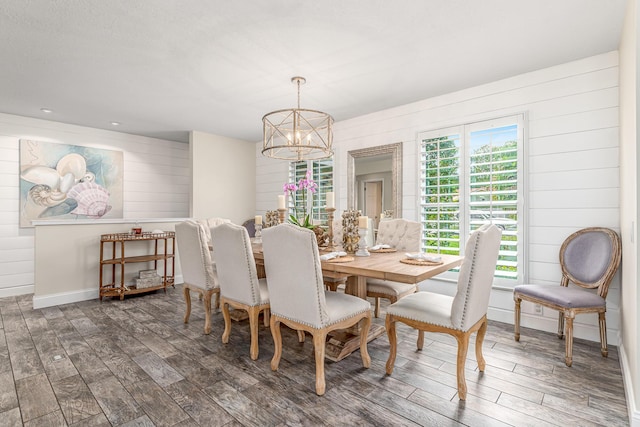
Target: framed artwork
<point>60,181</point>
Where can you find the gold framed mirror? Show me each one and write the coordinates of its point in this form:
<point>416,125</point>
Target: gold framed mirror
<point>391,155</point>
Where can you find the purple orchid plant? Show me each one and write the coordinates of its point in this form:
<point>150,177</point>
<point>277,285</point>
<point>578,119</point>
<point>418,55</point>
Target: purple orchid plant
<point>306,184</point>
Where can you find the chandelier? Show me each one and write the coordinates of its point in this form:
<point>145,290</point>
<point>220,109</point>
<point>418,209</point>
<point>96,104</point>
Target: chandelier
<point>297,134</point>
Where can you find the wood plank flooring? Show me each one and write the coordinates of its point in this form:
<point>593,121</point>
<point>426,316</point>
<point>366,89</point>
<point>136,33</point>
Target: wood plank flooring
<point>135,363</point>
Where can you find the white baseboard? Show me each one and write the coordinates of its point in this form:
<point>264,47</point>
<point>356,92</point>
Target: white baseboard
<point>64,298</point>
<point>634,413</point>
<point>16,290</point>
<point>74,296</point>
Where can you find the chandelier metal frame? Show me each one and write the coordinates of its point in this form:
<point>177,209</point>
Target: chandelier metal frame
<point>297,134</point>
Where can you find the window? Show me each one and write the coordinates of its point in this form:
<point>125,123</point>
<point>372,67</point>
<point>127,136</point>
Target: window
<point>471,175</point>
<point>322,174</point>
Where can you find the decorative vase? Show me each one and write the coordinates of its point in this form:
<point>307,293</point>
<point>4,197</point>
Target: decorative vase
<point>350,232</point>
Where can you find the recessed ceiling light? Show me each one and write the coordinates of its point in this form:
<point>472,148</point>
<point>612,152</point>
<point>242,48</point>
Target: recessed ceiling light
<point>115,123</point>
<point>46,110</point>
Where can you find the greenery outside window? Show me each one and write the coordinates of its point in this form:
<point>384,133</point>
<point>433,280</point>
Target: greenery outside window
<point>471,175</point>
<point>322,174</point>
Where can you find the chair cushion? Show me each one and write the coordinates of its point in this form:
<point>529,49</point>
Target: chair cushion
<point>568,297</point>
<point>387,287</point>
<point>343,306</point>
<point>426,307</point>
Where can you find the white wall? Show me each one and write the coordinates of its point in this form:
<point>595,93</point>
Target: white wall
<point>630,351</point>
<point>223,177</point>
<point>573,155</point>
<point>156,185</point>
<point>68,258</point>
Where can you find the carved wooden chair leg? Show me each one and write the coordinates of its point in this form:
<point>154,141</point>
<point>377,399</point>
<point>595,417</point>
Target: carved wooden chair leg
<point>300,335</point>
<point>253,326</point>
<point>560,325</point>
<point>568,359</point>
<point>319,341</point>
<point>517,319</point>
<point>602,321</point>
<point>227,322</point>
<point>364,332</point>
<point>479,341</point>
<point>277,343</point>
<point>265,320</point>
<point>376,309</point>
<point>463,346</point>
<point>207,313</point>
<point>390,325</point>
<point>187,300</point>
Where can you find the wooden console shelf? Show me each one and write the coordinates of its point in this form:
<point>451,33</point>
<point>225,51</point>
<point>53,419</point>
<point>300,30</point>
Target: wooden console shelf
<point>115,286</point>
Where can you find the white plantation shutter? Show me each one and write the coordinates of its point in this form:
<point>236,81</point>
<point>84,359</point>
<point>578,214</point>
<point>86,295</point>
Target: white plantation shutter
<point>471,175</point>
<point>322,174</point>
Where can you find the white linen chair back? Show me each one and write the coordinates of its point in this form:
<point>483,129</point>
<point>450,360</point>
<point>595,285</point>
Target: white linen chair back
<point>292,266</point>
<point>195,257</point>
<point>402,234</point>
<point>235,265</point>
<point>476,277</point>
<point>210,223</point>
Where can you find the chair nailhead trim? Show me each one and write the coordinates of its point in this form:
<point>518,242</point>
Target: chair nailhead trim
<point>468,290</point>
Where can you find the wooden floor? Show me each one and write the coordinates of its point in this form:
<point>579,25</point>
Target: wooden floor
<point>134,362</point>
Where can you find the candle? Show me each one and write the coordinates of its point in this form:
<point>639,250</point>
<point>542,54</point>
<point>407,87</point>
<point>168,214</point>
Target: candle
<point>363,222</point>
<point>281,201</point>
<point>258,220</point>
<point>331,200</point>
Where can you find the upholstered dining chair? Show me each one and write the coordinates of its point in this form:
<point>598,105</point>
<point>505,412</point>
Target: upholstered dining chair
<point>298,298</point>
<point>210,223</point>
<point>250,225</point>
<point>198,270</point>
<point>240,287</point>
<point>589,258</point>
<point>404,235</point>
<point>460,315</point>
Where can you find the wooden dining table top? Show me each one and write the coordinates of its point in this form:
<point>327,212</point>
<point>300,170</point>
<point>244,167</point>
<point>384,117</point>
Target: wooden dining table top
<point>386,266</point>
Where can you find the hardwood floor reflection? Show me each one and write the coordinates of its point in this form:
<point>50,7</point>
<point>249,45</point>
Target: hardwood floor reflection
<point>134,362</point>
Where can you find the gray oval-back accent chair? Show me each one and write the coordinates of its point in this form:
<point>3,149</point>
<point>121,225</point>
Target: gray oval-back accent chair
<point>299,300</point>
<point>198,270</point>
<point>250,225</point>
<point>460,315</point>
<point>240,287</point>
<point>589,258</point>
<point>404,235</point>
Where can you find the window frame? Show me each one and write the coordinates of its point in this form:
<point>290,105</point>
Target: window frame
<point>464,132</point>
<point>316,203</point>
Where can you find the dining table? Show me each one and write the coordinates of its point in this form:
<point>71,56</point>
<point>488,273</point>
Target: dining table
<point>389,265</point>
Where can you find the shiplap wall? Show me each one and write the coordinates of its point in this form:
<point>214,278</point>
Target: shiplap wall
<point>572,154</point>
<point>156,185</point>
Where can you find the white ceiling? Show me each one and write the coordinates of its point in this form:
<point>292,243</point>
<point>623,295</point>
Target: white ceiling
<point>165,67</point>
